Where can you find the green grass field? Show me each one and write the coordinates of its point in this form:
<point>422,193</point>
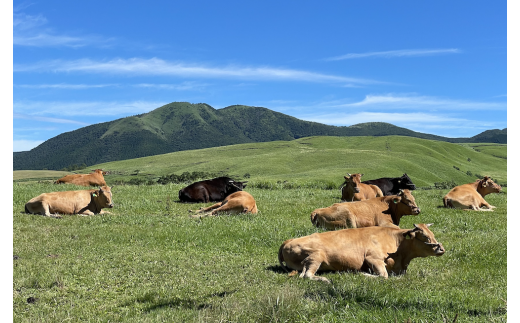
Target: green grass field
<point>149,261</point>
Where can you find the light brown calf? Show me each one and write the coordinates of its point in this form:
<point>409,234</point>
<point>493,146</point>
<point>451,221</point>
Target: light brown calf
<point>238,202</point>
<point>85,202</point>
<point>353,190</point>
<point>384,211</point>
<point>93,179</point>
<point>471,196</point>
<point>374,250</point>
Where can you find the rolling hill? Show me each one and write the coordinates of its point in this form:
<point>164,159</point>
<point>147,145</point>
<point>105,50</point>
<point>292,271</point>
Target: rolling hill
<point>183,126</point>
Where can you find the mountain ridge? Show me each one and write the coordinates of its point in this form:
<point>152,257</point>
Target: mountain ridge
<point>181,126</point>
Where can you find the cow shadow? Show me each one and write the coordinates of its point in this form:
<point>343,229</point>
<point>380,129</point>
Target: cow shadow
<point>276,269</point>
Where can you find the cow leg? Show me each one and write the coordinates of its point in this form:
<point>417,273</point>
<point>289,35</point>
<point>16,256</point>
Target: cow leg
<point>46,211</point>
<point>207,209</point>
<point>311,264</point>
<point>86,213</point>
<point>378,266</point>
<point>230,206</point>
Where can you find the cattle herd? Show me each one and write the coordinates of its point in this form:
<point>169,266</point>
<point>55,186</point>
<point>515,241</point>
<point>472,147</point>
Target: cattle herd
<point>365,234</point>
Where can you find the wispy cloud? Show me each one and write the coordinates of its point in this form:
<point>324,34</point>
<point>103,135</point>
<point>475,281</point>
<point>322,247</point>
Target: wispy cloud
<point>416,101</point>
<point>31,30</point>
<point>397,53</point>
<point>47,119</point>
<point>25,145</point>
<point>184,86</point>
<point>64,86</point>
<point>92,108</point>
<point>156,66</point>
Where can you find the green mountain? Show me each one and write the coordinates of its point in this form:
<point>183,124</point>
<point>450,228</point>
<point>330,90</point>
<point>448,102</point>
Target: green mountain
<point>182,126</point>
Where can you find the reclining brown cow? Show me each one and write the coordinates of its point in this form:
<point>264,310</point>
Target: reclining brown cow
<point>471,196</point>
<point>353,190</point>
<point>374,249</point>
<point>384,211</point>
<point>85,202</point>
<point>93,179</point>
<point>238,202</point>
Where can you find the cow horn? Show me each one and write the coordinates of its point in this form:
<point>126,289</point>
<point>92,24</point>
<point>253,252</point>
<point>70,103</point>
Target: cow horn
<point>362,174</point>
<point>429,224</point>
<point>349,175</point>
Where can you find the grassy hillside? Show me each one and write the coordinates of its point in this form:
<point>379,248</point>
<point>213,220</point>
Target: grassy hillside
<point>325,160</point>
<point>181,126</point>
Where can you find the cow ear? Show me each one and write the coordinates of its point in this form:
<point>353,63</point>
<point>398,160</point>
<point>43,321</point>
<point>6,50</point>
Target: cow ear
<point>400,192</point>
<point>362,174</point>
<point>410,234</point>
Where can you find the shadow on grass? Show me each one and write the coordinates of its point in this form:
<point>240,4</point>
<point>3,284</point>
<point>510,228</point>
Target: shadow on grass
<point>157,302</point>
<point>277,269</point>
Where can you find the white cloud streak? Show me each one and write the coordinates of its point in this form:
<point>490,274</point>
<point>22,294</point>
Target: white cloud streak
<point>64,86</point>
<point>25,145</point>
<point>72,109</point>
<point>155,66</point>
<point>397,53</point>
<point>47,119</point>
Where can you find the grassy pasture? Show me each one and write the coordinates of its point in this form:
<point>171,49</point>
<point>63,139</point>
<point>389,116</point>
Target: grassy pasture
<point>149,261</point>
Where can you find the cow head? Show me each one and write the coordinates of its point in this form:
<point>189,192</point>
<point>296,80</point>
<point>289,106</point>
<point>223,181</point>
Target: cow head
<point>404,182</point>
<point>486,186</point>
<point>406,202</point>
<point>424,242</point>
<point>353,181</point>
<point>233,186</point>
<point>103,197</point>
<point>99,171</point>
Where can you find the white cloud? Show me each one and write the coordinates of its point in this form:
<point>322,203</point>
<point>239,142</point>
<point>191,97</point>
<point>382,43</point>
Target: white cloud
<point>414,101</point>
<point>31,31</point>
<point>46,119</point>
<point>90,108</point>
<point>63,86</point>
<point>25,145</point>
<point>397,53</point>
<point>155,66</point>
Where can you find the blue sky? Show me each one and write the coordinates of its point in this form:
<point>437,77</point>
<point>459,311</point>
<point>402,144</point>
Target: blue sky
<point>437,67</point>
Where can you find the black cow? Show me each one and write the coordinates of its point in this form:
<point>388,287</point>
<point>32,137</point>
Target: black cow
<point>391,186</point>
<point>211,190</point>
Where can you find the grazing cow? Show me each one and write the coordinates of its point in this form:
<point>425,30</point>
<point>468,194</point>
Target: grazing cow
<point>85,202</point>
<point>93,179</point>
<point>238,202</point>
<point>211,190</point>
<point>353,190</point>
<point>385,211</point>
<point>391,186</point>
<point>374,249</point>
<point>471,196</point>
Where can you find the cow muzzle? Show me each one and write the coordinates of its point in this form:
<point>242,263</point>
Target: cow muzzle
<point>411,187</point>
<point>437,248</point>
<point>356,189</point>
<point>416,210</point>
<point>111,205</point>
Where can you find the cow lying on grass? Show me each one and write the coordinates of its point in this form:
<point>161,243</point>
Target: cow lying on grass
<point>210,190</point>
<point>471,196</point>
<point>93,179</point>
<point>238,202</point>
<point>375,249</point>
<point>85,202</point>
<point>353,190</point>
<point>383,211</point>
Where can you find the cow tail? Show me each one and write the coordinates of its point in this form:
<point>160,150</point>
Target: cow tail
<point>280,256</point>
<point>314,218</point>
<point>447,202</point>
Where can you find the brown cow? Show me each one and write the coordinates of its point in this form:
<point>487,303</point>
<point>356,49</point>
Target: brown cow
<point>85,202</point>
<point>93,179</point>
<point>353,190</point>
<point>238,202</point>
<point>383,211</point>
<point>374,249</point>
<point>471,196</point>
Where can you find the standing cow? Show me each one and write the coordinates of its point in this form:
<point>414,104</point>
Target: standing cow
<point>85,202</point>
<point>375,249</point>
<point>392,185</point>
<point>353,190</point>
<point>211,190</point>
<point>471,196</point>
<point>93,179</point>
<point>383,211</point>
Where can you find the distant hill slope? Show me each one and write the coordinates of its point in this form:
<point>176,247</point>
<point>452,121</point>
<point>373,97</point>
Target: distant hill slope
<point>182,126</point>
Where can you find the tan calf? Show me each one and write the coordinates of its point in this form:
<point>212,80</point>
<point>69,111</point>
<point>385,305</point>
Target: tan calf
<point>375,250</point>
<point>353,190</point>
<point>93,179</point>
<point>85,202</point>
<point>235,203</point>
<point>384,211</point>
<point>471,196</point>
